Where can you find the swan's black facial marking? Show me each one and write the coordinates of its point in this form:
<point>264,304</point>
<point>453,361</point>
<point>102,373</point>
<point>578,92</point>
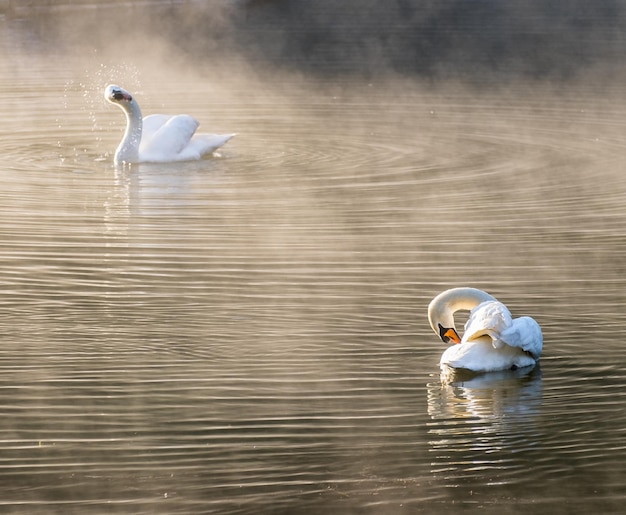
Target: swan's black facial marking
<point>448,334</point>
<point>119,96</point>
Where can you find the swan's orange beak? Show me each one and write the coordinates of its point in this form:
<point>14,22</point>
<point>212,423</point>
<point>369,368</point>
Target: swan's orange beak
<point>449,334</point>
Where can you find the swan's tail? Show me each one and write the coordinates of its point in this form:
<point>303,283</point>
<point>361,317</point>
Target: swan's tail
<point>208,143</point>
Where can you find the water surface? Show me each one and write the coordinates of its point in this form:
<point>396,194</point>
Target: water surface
<point>248,333</point>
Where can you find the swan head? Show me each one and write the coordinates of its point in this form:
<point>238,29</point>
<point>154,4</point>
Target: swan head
<point>442,308</point>
<point>117,95</point>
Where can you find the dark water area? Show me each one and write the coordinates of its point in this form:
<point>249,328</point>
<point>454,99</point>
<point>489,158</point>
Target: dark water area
<point>484,42</point>
<point>450,39</point>
<point>247,334</point>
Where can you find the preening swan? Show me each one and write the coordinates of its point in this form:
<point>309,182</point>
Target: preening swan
<point>492,340</point>
<point>159,138</point>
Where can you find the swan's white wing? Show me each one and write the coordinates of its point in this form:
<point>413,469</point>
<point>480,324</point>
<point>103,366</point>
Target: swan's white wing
<point>488,318</point>
<point>169,140</point>
<point>202,144</point>
<point>525,333</point>
<point>151,124</point>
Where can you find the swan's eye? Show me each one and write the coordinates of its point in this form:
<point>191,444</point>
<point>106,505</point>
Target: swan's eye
<point>118,95</point>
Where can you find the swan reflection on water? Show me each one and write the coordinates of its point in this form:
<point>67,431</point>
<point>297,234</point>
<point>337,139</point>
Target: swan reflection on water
<point>482,425</point>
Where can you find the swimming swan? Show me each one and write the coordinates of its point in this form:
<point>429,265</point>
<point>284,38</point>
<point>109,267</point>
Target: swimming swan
<point>492,340</point>
<point>159,138</point>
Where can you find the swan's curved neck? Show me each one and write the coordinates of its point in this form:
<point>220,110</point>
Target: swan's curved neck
<point>128,149</point>
<point>442,308</point>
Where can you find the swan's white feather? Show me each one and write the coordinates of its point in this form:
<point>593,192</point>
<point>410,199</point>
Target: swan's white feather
<point>490,317</point>
<point>202,144</point>
<point>481,356</point>
<point>525,333</point>
<point>170,140</point>
<point>151,124</point>
<point>164,136</point>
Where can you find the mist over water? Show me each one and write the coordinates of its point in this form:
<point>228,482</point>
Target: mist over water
<point>248,333</point>
<point>481,42</point>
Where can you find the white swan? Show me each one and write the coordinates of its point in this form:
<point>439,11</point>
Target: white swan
<point>159,138</point>
<point>492,340</point>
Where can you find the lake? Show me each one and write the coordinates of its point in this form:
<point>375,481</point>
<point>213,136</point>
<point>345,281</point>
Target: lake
<point>247,334</point>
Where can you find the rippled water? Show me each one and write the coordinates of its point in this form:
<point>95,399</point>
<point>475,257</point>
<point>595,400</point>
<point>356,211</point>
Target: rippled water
<point>248,333</point>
